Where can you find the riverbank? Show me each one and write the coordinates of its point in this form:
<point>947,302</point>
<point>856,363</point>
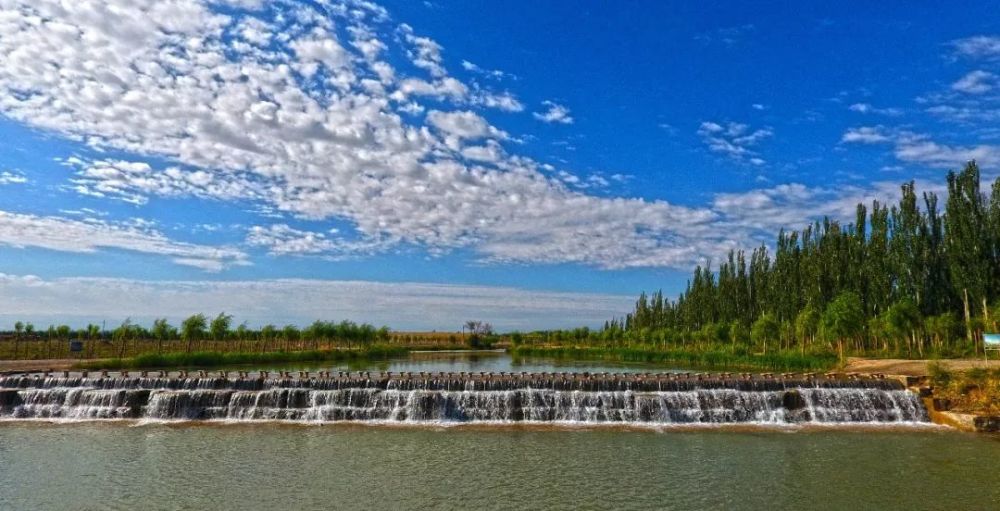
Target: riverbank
<point>217,359</point>
<point>716,359</point>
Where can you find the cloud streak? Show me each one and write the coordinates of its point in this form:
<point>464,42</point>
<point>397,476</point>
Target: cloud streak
<point>734,140</point>
<point>403,306</point>
<point>89,235</point>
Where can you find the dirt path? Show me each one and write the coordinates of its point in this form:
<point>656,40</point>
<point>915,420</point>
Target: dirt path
<point>911,367</point>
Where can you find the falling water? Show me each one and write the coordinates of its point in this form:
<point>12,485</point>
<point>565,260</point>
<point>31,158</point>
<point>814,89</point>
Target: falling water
<point>465,398</point>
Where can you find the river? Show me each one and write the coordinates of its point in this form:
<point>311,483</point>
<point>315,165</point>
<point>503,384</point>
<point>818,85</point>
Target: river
<point>276,465</point>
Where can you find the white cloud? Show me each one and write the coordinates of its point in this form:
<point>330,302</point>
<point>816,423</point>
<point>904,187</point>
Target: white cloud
<point>920,148</point>
<point>399,305</point>
<point>317,128</point>
<point>976,82</point>
<point>763,211</point>
<point>556,113</point>
<point>281,239</point>
<point>459,127</point>
<point>865,135</point>
<point>978,47</point>
<point>461,124</point>
<point>12,178</point>
<point>426,53</point>
<point>969,113</point>
<point>734,140</point>
<point>490,73</point>
<point>866,108</point>
<point>445,88</point>
<point>501,101</point>
<point>88,235</point>
<point>134,182</point>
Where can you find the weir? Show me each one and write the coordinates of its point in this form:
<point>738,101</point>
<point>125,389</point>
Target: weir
<point>587,398</point>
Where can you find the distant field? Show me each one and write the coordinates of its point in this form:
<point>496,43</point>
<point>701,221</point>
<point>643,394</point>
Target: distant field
<point>40,348</point>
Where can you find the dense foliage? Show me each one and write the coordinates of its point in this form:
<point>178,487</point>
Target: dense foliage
<point>196,333</point>
<point>907,279</point>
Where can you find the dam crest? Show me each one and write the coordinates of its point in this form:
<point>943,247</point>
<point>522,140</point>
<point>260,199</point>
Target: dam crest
<point>457,398</point>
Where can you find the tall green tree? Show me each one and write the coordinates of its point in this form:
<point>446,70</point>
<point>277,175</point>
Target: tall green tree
<point>193,329</point>
<point>903,319</point>
<point>966,240</point>
<point>161,331</point>
<point>220,326</point>
<point>843,320</point>
<point>765,329</point>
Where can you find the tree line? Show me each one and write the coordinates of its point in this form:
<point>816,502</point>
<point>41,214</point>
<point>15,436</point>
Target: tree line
<point>911,278</point>
<point>901,278</point>
<point>194,333</point>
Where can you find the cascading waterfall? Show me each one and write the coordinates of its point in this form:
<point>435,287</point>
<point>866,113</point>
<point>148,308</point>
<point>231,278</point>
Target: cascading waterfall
<point>466,398</point>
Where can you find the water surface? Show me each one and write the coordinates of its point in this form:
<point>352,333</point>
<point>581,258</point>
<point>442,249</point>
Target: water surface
<point>474,361</point>
<point>115,466</point>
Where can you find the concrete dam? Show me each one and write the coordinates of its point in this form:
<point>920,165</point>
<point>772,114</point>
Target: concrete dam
<point>459,398</point>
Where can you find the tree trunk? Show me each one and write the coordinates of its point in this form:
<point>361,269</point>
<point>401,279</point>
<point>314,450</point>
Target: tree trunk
<point>968,320</point>
<point>986,316</point>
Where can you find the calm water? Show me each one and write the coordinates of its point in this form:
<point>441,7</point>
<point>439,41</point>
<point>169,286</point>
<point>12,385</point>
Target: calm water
<point>124,465</point>
<point>115,466</point>
<point>480,361</point>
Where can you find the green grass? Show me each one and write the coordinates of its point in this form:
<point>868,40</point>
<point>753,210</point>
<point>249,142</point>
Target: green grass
<point>217,358</point>
<point>709,359</point>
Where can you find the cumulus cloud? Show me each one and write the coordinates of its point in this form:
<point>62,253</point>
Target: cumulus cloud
<point>501,101</point>
<point>282,239</point>
<point>310,126</point>
<point>734,140</point>
<point>134,182</point>
<point>89,234</point>
<point>399,305</point>
<point>556,113</point>
<point>303,112</point>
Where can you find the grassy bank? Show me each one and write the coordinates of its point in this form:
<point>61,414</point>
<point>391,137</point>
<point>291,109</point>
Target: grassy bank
<point>710,359</point>
<point>217,358</point>
<point>974,390</point>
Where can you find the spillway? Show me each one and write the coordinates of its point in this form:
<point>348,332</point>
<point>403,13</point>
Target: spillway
<point>457,398</point>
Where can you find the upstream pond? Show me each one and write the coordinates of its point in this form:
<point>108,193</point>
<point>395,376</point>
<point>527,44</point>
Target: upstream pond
<point>472,361</point>
<point>895,461</point>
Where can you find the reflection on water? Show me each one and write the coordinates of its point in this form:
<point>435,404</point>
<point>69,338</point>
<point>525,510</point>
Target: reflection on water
<point>472,361</point>
<point>250,467</point>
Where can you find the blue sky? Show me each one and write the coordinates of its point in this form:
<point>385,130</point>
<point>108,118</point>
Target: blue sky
<point>541,155</point>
